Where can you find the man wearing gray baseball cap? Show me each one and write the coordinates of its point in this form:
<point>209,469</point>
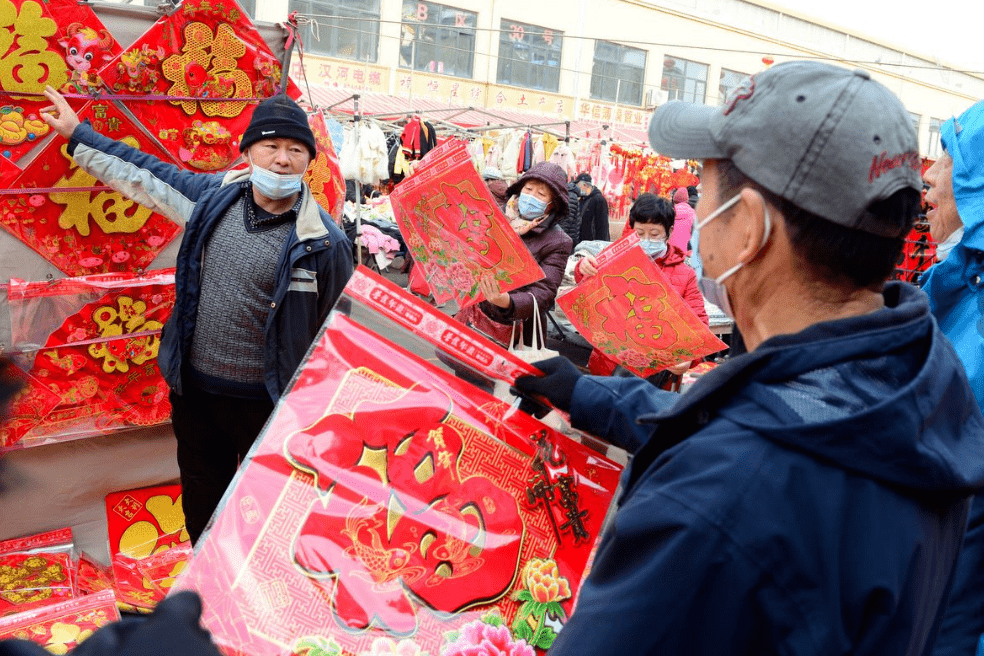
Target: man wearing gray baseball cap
<point>809,496</point>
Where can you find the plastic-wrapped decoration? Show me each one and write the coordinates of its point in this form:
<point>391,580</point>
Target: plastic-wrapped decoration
<point>391,500</point>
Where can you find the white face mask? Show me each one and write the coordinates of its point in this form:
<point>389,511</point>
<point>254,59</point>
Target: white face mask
<point>713,289</point>
<point>275,185</point>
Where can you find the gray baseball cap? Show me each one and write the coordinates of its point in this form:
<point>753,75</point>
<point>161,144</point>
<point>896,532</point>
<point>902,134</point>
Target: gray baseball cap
<point>829,140</point>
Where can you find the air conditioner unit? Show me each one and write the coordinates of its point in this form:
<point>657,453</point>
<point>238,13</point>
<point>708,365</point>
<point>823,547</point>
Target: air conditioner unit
<point>656,97</point>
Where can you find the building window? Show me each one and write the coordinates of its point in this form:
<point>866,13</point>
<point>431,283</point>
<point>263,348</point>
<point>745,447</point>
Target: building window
<point>684,80</point>
<point>933,149</point>
<point>618,73</point>
<point>728,83</point>
<point>529,56</point>
<point>437,38</point>
<point>342,28</point>
<point>915,118</point>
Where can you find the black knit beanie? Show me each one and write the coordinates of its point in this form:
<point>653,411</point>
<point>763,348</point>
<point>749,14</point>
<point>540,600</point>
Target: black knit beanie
<point>279,117</point>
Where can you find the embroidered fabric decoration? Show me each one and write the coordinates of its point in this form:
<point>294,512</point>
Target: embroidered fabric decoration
<point>207,55</point>
<point>324,175</point>
<point>101,360</point>
<point>456,231</point>
<point>36,571</point>
<point>389,502</point>
<point>61,627</point>
<point>82,230</point>
<point>631,313</point>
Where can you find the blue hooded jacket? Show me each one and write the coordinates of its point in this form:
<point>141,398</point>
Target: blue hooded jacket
<point>806,498</point>
<point>956,297</point>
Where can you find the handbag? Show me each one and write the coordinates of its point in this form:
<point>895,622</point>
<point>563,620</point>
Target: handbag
<point>538,350</point>
<point>473,317</point>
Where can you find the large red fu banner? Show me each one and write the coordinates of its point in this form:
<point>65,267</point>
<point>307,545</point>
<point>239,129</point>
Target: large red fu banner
<point>455,230</point>
<point>631,313</point>
<point>388,501</point>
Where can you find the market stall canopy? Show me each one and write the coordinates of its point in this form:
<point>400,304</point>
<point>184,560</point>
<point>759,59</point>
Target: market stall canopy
<point>340,100</point>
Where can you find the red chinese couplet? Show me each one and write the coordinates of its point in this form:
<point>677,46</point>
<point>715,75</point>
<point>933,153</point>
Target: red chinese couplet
<point>388,501</point>
<point>631,313</point>
<point>456,231</point>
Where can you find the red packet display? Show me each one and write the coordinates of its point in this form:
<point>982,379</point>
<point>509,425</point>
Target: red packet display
<point>631,313</point>
<point>390,503</point>
<point>142,583</point>
<point>91,576</point>
<point>324,175</point>
<point>209,61</point>
<point>60,627</point>
<point>100,360</point>
<point>145,521</point>
<point>86,228</point>
<point>36,571</point>
<point>456,231</point>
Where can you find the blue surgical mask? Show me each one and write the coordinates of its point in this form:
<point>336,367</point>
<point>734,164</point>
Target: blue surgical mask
<point>713,289</point>
<point>531,207</point>
<point>275,185</point>
<point>654,247</point>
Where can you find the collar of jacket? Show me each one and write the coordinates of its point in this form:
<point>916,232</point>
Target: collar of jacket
<point>309,224</point>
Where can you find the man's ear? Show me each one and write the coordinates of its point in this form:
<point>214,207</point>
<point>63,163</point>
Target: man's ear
<point>752,226</point>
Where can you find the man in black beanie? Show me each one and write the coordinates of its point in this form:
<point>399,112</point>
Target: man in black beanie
<point>259,268</point>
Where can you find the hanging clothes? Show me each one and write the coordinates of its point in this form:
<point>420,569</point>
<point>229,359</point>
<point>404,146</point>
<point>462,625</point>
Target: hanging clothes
<point>410,138</point>
<point>538,153</point>
<point>550,144</point>
<point>510,154</point>
<point>428,138</point>
<point>563,157</point>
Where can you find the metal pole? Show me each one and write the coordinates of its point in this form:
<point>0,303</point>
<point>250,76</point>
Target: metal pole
<point>358,183</point>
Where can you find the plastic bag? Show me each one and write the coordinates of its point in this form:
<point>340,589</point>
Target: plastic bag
<point>36,570</point>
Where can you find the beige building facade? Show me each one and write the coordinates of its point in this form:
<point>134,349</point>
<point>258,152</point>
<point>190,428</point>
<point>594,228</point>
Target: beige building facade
<point>607,61</point>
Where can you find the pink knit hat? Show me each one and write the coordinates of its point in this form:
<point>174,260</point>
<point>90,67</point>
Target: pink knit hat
<point>681,195</point>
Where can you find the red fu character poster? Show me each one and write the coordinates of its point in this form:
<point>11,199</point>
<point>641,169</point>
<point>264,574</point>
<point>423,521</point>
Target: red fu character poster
<point>75,222</point>
<point>99,337</point>
<point>631,313</point>
<point>202,68</point>
<point>456,231</point>
<point>56,42</point>
<point>388,502</point>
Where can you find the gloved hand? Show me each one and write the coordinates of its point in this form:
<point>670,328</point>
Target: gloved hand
<point>557,386</point>
<point>173,629</point>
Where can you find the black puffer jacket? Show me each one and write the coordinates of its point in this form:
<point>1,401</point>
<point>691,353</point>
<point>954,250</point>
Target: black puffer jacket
<point>594,217</point>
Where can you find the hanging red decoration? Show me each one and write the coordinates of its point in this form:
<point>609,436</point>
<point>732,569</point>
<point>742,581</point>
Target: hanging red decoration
<point>208,58</point>
<point>82,230</point>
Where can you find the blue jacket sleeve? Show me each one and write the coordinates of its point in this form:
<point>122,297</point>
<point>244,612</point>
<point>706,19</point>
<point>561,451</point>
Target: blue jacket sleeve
<point>666,581</point>
<point>161,186</point>
<point>609,406</point>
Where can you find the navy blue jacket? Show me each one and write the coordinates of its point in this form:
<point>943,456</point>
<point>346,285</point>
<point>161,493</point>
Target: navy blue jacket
<point>809,497</point>
<point>314,265</point>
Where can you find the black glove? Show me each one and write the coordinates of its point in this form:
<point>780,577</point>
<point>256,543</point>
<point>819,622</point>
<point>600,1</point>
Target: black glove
<point>557,386</point>
<point>171,630</point>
